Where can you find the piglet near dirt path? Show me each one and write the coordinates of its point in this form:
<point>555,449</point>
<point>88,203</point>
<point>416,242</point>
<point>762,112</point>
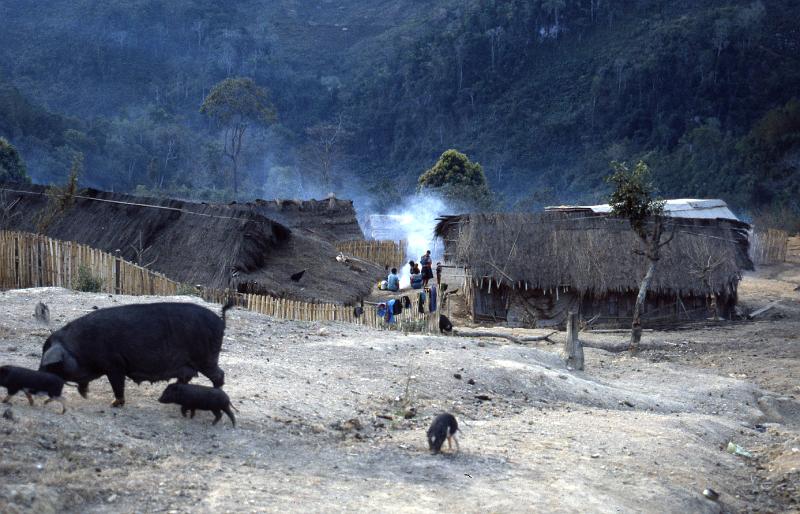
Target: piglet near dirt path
<point>193,397</point>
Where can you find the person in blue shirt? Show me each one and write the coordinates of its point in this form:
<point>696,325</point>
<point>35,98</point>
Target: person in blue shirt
<point>416,281</point>
<point>393,281</point>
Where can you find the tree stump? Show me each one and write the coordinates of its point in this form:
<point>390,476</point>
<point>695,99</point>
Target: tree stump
<point>573,349</point>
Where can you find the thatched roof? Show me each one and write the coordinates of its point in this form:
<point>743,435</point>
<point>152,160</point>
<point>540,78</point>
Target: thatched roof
<point>332,219</point>
<point>594,253</point>
<point>218,246</point>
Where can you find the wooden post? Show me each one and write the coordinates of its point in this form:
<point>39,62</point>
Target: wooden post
<point>573,349</point>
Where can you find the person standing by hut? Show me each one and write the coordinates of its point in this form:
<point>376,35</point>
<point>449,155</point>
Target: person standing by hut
<point>427,268</point>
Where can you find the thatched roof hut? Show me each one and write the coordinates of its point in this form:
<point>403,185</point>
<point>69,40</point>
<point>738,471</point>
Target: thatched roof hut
<point>218,246</point>
<point>592,256</point>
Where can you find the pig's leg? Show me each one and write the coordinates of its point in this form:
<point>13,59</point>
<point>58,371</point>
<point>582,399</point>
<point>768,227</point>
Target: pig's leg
<point>117,380</point>
<point>215,374</point>
<point>192,415</point>
<point>11,393</point>
<point>217,416</point>
<point>83,388</point>
<point>227,410</point>
<point>184,410</point>
<point>29,397</point>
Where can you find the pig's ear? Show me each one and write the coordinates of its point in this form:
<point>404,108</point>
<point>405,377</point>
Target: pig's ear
<point>60,360</point>
<point>54,355</point>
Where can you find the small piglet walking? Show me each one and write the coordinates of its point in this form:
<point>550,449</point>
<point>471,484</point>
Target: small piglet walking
<point>444,427</point>
<point>192,397</point>
<point>16,379</point>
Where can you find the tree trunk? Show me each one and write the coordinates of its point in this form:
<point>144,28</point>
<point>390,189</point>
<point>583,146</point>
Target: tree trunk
<point>573,350</point>
<point>636,326</point>
<point>235,181</point>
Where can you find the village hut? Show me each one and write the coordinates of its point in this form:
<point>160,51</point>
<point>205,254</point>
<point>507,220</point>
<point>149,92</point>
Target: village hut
<point>217,246</point>
<point>532,269</point>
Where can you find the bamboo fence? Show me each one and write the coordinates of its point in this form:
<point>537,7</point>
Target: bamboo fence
<point>34,260</point>
<point>384,253</point>
<point>769,246</point>
<point>409,320</point>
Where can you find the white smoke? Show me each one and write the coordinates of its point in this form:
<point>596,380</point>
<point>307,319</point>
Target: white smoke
<point>416,221</point>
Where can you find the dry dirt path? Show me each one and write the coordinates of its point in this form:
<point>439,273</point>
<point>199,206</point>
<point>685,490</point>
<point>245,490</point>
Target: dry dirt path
<point>322,428</point>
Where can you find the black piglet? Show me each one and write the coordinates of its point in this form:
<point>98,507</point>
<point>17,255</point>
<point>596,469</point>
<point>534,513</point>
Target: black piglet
<point>444,427</point>
<point>192,397</point>
<point>16,379</point>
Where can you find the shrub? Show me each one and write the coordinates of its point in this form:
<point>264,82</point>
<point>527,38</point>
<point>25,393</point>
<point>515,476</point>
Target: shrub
<point>187,290</point>
<point>87,281</point>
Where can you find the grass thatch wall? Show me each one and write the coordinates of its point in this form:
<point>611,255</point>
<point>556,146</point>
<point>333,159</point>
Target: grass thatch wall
<point>595,254</point>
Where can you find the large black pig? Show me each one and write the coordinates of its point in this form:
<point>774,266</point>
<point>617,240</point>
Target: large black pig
<point>153,341</point>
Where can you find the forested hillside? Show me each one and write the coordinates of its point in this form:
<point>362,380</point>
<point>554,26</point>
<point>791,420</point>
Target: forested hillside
<point>543,93</point>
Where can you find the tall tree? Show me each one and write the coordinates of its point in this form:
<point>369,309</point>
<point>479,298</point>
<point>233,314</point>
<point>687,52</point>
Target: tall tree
<point>634,198</point>
<point>458,180</point>
<point>12,167</point>
<point>236,104</point>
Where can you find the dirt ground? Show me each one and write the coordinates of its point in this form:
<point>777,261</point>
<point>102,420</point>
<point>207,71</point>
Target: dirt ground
<point>332,417</point>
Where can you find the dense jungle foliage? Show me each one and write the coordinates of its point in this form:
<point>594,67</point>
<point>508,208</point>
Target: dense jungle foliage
<point>544,94</point>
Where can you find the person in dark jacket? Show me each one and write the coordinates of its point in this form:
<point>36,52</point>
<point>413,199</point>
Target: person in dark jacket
<point>427,268</point>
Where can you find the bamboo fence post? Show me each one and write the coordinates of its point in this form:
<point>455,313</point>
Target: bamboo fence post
<point>51,255</point>
<point>53,262</point>
<point>33,265</point>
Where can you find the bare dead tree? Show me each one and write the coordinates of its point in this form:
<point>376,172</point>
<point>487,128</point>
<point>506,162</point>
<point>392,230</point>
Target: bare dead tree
<point>325,143</point>
<point>199,27</point>
<point>141,256</point>
<point>6,210</point>
<point>703,262</point>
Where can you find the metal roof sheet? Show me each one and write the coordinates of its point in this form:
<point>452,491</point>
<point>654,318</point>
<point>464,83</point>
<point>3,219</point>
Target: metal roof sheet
<point>677,208</point>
